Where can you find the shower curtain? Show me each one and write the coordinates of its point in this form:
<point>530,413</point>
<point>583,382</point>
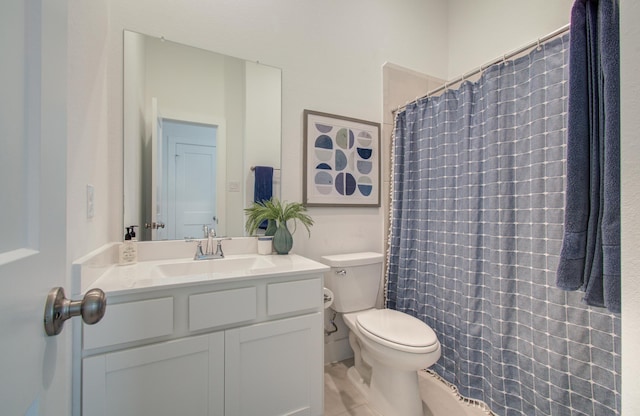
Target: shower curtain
<point>476,231</point>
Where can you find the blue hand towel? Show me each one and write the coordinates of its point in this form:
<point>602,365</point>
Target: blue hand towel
<point>263,188</point>
<point>609,39</point>
<point>590,256</point>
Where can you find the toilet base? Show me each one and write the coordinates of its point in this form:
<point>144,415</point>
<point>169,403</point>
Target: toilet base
<point>358,382</point>
<point>394,394</point>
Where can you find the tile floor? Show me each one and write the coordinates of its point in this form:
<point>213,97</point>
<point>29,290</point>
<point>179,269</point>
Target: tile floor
<point>341,398</point>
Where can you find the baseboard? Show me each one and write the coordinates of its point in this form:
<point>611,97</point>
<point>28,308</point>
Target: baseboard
<point>337,350</point>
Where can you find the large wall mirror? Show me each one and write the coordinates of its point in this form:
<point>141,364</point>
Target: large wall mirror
<point>196,123</point>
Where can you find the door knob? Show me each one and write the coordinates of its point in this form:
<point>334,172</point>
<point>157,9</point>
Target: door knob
<point>58,309</point>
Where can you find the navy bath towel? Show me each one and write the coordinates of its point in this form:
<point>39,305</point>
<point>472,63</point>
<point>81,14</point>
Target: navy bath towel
<point>263,188</point>
<point>590,257</point>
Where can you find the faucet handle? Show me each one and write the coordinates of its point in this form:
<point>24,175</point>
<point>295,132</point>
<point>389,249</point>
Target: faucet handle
<point>212,232</point>
<point>199,253</point>
<point>219,251</point>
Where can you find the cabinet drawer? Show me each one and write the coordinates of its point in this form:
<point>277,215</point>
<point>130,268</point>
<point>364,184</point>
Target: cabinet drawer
<point>208,310</point>
<point>133,321</point>
<point>293,296</point>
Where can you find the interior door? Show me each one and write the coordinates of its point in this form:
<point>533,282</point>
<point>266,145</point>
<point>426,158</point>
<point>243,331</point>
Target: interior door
<point>191,178</point>
<point>35,376</point>
<point>194,192</point>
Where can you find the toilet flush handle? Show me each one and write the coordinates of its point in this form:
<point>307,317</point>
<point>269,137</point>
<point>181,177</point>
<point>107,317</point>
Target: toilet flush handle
<point>341,272</point>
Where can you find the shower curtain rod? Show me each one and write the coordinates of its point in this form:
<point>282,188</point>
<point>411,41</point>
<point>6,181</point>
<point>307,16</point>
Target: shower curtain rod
<point>481,68</point>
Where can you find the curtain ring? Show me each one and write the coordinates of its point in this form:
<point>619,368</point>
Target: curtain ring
<point>539,46</point>
<point>504,60</point>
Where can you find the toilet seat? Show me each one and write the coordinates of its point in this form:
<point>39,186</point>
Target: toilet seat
<point>397,330</point>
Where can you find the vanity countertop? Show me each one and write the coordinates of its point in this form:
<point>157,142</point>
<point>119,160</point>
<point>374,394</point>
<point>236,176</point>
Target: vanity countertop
<point>164,274</point>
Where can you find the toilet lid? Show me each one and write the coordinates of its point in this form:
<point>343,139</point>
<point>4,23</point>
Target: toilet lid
<point>397,330</point>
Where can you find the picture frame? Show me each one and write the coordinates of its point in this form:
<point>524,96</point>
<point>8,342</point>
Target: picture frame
<point>341,161</point>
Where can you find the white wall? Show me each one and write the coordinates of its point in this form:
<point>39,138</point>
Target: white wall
<point>480,31</point>
<point>630,163</point>
<point>93,155</point>
<point>201,76</point>
<point>263,115</point>
<point>262,127</point>
<point>235,104</point>
<point>134,128</point>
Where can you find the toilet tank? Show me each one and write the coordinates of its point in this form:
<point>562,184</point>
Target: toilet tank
<point>354,279</point>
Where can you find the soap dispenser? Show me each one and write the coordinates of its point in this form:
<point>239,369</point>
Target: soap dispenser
<point>128,250</point>
<point>131,233</point>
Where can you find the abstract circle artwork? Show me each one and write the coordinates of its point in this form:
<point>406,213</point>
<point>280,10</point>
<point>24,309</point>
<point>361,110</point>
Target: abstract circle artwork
<point>341,161</point>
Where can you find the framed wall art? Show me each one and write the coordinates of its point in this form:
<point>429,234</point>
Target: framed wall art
<point>341,165</point>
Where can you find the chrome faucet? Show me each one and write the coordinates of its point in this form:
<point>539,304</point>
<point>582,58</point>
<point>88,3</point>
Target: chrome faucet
<point>208,253</point>
<point>209,234</point>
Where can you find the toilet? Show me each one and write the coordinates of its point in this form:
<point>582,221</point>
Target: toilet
<point>389,346</point>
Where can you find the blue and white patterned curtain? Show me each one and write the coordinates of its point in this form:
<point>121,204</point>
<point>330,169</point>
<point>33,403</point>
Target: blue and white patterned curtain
<point>476,232</point>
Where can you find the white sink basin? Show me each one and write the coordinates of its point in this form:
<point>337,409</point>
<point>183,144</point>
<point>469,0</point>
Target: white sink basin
<point>227,266</point>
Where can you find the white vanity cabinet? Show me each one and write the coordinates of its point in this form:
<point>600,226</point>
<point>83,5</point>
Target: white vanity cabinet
<point>179,377</point>
<point>239,348</point>
<point>270,368</point>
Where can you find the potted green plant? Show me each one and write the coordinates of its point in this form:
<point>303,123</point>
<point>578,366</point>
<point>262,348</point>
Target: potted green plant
<point>277,213</point>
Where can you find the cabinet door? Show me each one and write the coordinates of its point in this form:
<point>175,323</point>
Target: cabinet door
<point>275,368</point>
<point>180,377</point>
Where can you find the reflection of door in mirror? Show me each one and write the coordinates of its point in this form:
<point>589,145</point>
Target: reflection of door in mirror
<point>190,178</point>
<point>187,168</point>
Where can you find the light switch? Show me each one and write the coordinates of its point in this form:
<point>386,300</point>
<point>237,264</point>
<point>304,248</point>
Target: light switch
<point>233,186</point>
